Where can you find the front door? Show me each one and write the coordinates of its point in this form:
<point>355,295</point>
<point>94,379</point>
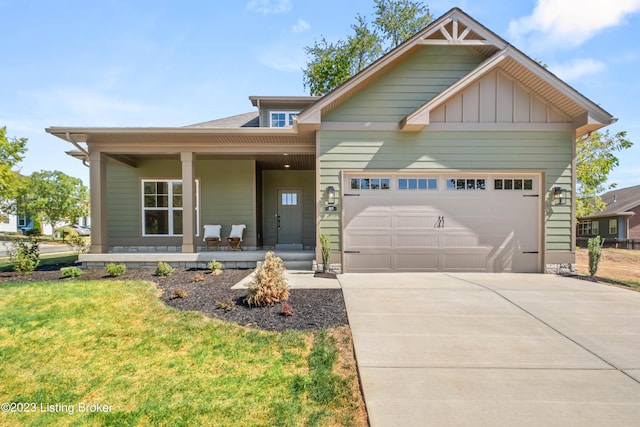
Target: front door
<point>289,216</point>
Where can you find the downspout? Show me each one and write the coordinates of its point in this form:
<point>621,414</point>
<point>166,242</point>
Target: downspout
<point>82,149</point>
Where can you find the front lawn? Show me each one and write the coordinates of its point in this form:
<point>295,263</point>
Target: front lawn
<point>67,345</point>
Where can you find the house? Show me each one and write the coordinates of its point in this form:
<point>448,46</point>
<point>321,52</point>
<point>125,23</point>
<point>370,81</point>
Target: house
<point>453,152</point>
<point>618,224</point>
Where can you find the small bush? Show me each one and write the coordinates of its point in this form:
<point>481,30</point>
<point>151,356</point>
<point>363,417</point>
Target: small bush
<point>115,270</point>
<point>286,309</point>
<point>163,269</point>
<point>215,267</point>
<point>180,293</point>
<point>70,273</point>
<point>226,304</point>
<point>24,255</point>
<point>198,278</point>
<point>325,249</point>
<point>595,253</point>
<point>79,244</point>
<point>269,285</point>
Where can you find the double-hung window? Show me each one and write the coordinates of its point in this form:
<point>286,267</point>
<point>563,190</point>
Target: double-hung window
<point>162,207</point>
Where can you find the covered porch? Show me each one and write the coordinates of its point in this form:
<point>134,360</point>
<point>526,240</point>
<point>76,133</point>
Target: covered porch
<point>153,190</point>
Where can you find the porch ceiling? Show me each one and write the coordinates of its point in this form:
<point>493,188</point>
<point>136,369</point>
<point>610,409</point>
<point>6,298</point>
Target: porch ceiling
<point>264,162</point>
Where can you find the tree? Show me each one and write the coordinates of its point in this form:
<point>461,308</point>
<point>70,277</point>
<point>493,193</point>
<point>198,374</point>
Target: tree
<point>331,64</point>
<point>595,159</point>
<point>55,197</point>
<point>11,153</point>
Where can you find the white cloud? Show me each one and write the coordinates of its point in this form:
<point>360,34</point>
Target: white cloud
<point>569,23</point>
<point>301,26</point>
<point>269,6</point>
<point>577,68</point>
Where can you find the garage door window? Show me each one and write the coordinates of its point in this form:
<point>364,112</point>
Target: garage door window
<point>417,184</point>
<point>466,184</point>
<point>513,184</point>
<point>370,183</point>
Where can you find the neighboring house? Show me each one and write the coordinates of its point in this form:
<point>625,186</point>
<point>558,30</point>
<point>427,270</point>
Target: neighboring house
<point>618,223</point>
<point>453,152</point>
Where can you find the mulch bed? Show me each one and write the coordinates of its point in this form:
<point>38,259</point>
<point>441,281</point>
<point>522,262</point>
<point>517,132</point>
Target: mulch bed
<point>313,309</point>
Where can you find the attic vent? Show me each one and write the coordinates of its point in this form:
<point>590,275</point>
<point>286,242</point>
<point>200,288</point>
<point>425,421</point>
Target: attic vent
<point>614,198</point>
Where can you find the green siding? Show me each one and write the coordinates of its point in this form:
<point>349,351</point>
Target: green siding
<point>227,191</point>
<point>272,181</point>
<point>549,152</point>
<point>408,85</point>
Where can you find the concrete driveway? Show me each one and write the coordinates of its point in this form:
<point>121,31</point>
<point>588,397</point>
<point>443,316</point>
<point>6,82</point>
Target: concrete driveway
<point>495,349</point>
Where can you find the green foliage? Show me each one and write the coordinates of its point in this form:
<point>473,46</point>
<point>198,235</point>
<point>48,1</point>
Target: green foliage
<point>595,159</point>
<point>164,269</point>
<point>226,304</point>
<point>595,253</point>
<point>79,244</point>
<point>269,285</point>
<point>55,197</point>
<point>25,255</point>
<point>70,273</point>
<point>325,249</point>
<point>215,266</point>
<point>11,153</point>
<point>116,270</point>
<point>332,63</point>
<point>325,387</point>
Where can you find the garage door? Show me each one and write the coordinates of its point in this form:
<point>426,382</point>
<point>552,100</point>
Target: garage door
<point>453,222</point>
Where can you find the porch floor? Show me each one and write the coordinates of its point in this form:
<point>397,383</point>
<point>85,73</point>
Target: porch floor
<point>294,260</point>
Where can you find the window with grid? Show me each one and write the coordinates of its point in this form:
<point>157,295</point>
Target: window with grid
<point>162,207</point>
<point>613,226</point>
<point>513,184</point>
<point>417,183</point>
<point>370,183</point>
<point>466,184</point>
<point>281,119</point>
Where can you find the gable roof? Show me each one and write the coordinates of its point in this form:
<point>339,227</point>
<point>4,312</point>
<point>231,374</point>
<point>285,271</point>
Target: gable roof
<point>456,28</point>
<point>619,202</point>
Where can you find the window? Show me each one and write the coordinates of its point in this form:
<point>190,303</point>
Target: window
<point>417,184</point>
<point>370,183</point>
<point>281,119</point>
<point>22,221</point>
<point>584,228</point>
<point>513,184</point>
<point>289,199</point>
<point>595,228</point>
<point>466,184</point>
<point>162,208</point>
<point>613,226</point>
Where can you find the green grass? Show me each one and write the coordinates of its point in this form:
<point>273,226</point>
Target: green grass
<point>45,259</point>
<point>115,343</point>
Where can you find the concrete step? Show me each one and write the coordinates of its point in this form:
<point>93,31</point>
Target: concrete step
<point>298,265</point>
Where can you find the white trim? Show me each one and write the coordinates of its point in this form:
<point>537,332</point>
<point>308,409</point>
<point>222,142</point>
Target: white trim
<point>169,208</point>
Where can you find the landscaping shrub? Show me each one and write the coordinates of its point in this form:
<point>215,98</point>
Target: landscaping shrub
<point>286,309</point>
<point>163,269</point>
<point>70,273</point>
<point>226,304</point>
<point>180,293</point>
<point>24,255</point>
<point>595,253</point>
<point>269,285</point>
<point>325,249</point>
<point>115,270</point>
<point>79,244</point>
<point>215,267</point>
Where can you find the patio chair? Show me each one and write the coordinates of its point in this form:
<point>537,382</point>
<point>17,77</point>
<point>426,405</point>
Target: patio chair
<point>212,236</point>
<point>235,237</point>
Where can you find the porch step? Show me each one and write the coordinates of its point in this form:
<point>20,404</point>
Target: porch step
<point>289,247</point>
<point>298,265</point>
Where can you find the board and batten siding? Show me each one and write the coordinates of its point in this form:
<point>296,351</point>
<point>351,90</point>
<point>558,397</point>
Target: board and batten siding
<point>227,196</point>
<point>548,152</point>
<point>407,85</point>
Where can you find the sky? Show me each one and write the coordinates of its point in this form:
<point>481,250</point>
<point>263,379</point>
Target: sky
<point>140,63</point>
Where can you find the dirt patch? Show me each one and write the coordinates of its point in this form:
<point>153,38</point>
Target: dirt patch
<point>616,264</point>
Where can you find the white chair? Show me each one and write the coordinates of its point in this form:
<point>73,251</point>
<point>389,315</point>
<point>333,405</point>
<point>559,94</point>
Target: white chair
<point>212,236</point>
<point>235,237</point>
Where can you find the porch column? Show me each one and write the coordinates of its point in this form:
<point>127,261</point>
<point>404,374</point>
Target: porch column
<point>188,201</point>
<point>98,192</point>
